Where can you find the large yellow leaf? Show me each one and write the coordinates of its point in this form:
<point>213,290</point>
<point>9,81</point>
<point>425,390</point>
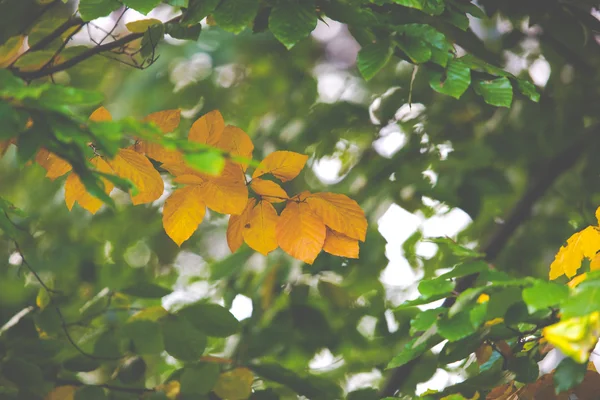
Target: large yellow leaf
<point>259,229</point>
<point>340,213</point>
<point>54,165</point>
<point>340,245</point>
<point>139,170</point>
<point>237,143</point>
<point>75,190</point>
<point>235,384</point>
<point>166,120</point>
<point>227,193</point>
<point>182,213</point>
<point>207,129</point>
<point>141,25</point>
<point>284,165</point>
<point>101,114</point>
<point>299,232</point>
<point>581,245</point>
<point>235,238</point>
<point>268,190</point>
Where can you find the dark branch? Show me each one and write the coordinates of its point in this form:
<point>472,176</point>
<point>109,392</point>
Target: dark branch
<point>123,389</point>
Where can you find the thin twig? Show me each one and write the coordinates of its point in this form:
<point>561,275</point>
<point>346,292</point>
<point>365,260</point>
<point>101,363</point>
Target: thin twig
<point>109,33</point>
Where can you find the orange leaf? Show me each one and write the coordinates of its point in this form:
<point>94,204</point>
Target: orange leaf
<point>237,143</point>
<point>284,165</point>
<point>182,213</point>
<point>340,213</point>
<point>340,245</point>
<point>207,129</point>
<point>75,190</point>
<point>259,229</point>
<point>189,179</point>
<point>235,238</point>
<point>227,193</point>
<point>299,232</point>
<point>269,190</point>
<point>166,120</point>
<point>139,170</point>
<point>180,168</point>
<point>54,165</point>
<point>157,152</point>
<point>101,114</point>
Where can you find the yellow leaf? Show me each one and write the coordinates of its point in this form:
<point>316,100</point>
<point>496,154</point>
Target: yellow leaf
<point>581,245</point>
<point>340,213</point>
<point>157,152</point>
<point>140,171</point>
<point>340,245</point>
<point>75,190</point>
<point>54,165</point>
<point>227,193</point>
<point>575,337</point>
<point>299,232</point>
<point>189,179</point>
<point>10,50</point>
<point>153,313</point>
<point>183,212</point>
<point>577,280</point>
<point>269,190</point>
<point>284,165</point>
<point>101,114</point>
<point>235,384</point>
<point>235,238</point>
<point>62,393</point>
<point>237,143</point>
<point>595,263</point>
<point>171,389</point>
<point>166,120</point>
<point>207,129</point>
<point>180,168</point>
<point>142,25</point>
<point>259,229</point>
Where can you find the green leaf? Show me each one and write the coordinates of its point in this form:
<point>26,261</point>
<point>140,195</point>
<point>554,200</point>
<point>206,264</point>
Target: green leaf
<point>416,50</point>
<point>583,302</point>
<point>436,287</point>
<point>502,300</point>
<point>184,32</point>
<point>373,57</point>
<point>143,6</point>
<point>210,162</point>
<point>151,38</point>
<point>416,347</point>
<point>425,319</point>
<point>433,7</point>
<point>146,336</point>
<point>470,8</point>
<point>568,375</point>
<point>457,327</point>
<point>526,370</point>
<point>528,89</point>
<point>182,340</point>
<point>198,10</point>
<point>109,344</point>
<point>211,319</point>
<point>543,295</point>
<point>92,9</point>
<point>178,3</point>
<point>199,379</point>
<point>90,393</point>
<point>466,268</point>
<point>292,20</point>
<point>455,248</point>
<point>147,290</point>
<point>419,301</point>
<point>454,82</point>
<point>25,375</point>
<point>235,15</point>
<point>497,92</point>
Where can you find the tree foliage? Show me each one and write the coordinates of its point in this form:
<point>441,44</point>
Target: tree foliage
<point>202,188</point>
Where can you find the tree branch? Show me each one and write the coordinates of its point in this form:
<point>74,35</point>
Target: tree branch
<point>124,389</point>
<point>540,183</point>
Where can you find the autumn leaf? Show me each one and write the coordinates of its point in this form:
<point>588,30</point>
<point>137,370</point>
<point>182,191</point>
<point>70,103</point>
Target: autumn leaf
<point>235,237</point>
<point>237,143</point>
<point>235,384</point>
<point>182,213</point>
<point>207,129</point>
<point>284,165</point>
<point>54,165</point>
<point>268,190</point>
<point>227,193</point>
<point>340,213</point>
<point>167,121</point>
<point>583,244</point>
<point>575,337</point>
<point>299,232</point>
<point>140,171</point>
<point>100,114</point>
<point>259,229</point>
<point>75,190</point>
<point>340,245</point>
<point>66,392</point>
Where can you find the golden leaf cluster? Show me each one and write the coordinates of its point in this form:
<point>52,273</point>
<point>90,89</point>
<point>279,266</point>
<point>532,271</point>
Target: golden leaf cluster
<point>304,225</point>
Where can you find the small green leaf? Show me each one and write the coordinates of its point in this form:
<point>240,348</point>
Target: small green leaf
<point>454,82</point>
<point>235,15</point>
<point>292,20</point>
<point>416,347</point>
<point>199,379</point>
<point>585,301</point>
<point>457,327</point>
<point>25,375</point>
<point>147,290</point>
<point>182,340</point>
<point>543,295</point>
<point>92,9</point>
<point>497,92</point>
<point>425,319</point>
<point>417,50</point>
<point>436,286</point>
<point>209,162</point>
<point>568,375</point>
<point>528,89</point>
<point>143,6</point>
<point>146,336</point>
<point>211,319</point>
<point>198,10</point>
<point>455,248</point>
<point>466,268</point>
<point>151,38</point>
<point>373,57</point>
<point>184,32</point>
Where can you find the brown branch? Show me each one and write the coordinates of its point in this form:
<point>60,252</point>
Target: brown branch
<point>541,182</point>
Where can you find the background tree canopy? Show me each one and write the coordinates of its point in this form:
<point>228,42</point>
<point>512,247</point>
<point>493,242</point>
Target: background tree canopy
<point>467,133</point>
